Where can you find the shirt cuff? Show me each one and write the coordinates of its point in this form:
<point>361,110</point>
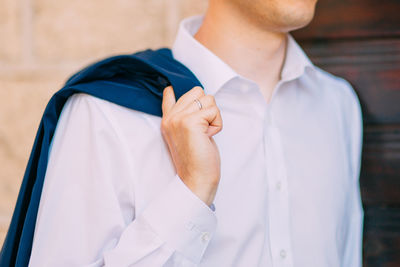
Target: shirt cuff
<point>182,219</point>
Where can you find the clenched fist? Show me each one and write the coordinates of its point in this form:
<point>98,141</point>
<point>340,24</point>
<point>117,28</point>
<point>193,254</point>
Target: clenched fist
<point>188,131</point>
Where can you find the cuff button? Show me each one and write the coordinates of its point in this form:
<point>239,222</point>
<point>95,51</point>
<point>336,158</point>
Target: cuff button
<point>205,236</point>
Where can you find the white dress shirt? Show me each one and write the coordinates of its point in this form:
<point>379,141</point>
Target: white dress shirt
<point>288,194</point>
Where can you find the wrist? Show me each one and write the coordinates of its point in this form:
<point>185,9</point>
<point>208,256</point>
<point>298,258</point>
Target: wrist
<point>205,192</point>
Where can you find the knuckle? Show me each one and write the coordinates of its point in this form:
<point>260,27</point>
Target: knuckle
<point>164,124</point>
<point>198,90</point>
<point>214,109</point>
<point>210,99</point>
<point>163,130</point>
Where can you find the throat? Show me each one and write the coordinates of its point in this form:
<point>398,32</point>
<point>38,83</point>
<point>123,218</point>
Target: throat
<point>268,89</point>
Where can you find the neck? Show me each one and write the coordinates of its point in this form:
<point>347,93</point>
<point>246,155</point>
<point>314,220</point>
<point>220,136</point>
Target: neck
<point>252,52</point>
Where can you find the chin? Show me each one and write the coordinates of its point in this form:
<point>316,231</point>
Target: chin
<point>289,15</point>
<point>279,15</point>
<point>294,21</point>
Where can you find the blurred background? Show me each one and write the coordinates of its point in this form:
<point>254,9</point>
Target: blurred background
<point>359,40</point>
<point>42,42</point>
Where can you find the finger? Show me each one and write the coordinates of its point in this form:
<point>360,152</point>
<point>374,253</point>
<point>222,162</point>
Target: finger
<point>206,101</point>
<point>216,124</point>
<point>212,130</point>
<point>188,97</point>
<point>168,100</point>
<point>212,118</point>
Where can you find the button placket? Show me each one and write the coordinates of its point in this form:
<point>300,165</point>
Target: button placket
<point>283,254</point>
<point>278,185</point>
<point>279,225</point>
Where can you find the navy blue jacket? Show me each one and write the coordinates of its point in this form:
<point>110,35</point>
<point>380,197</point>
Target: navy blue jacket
<point>134,81</point>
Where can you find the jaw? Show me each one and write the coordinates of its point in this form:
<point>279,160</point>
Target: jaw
<point>271,15</point>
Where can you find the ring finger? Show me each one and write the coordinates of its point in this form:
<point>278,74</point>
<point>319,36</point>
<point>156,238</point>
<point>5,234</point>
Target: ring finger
<point>206,101</point>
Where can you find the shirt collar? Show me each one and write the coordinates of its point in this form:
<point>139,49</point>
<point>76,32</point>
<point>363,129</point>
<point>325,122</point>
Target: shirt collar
<point>199,59</point>
<point>296,61</point>
<point>205,64</point>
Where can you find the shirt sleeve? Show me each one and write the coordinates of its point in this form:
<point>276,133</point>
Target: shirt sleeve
<point>87,213</point>
<point>354,238</point>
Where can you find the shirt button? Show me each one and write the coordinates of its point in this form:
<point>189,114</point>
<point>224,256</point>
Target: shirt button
<point>205,237</point>
<point>278,186</point>
<point>283,253</point>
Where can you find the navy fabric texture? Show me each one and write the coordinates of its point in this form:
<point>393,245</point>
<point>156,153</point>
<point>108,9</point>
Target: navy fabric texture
<point>134,81</point>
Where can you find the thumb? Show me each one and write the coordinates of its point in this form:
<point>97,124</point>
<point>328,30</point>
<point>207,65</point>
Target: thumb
<point>168,100</point>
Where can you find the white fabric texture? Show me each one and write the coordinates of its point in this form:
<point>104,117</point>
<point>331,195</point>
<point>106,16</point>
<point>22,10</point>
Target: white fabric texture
<point>289,189</point>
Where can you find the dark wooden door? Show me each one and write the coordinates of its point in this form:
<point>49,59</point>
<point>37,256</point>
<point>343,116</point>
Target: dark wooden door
<point>360,41</point>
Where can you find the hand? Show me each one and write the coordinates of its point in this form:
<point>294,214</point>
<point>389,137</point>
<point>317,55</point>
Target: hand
<point>188,132</point>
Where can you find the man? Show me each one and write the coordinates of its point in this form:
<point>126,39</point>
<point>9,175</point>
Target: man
<point>273,143</point>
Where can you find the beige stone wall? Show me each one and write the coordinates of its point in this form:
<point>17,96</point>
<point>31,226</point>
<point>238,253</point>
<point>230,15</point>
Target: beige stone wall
<point>42,42</point>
